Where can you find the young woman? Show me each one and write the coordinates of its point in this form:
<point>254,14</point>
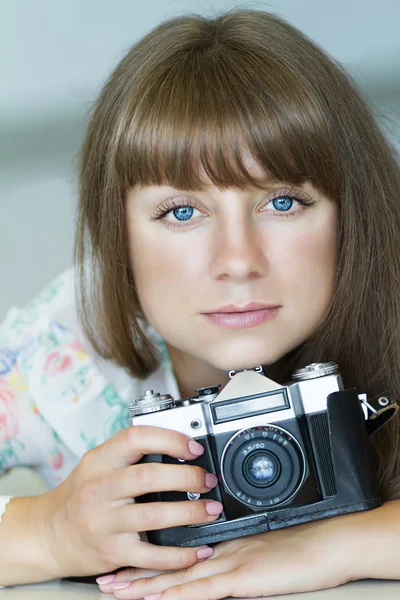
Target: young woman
<point>238,206</point>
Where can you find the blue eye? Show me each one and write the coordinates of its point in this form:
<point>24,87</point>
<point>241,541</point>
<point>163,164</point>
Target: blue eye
<point>283,204</point>
<point>183,213</point>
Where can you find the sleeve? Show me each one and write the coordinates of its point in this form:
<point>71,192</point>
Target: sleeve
<point>12,392</point>
<point>20,423</point>
<point>26,439</point>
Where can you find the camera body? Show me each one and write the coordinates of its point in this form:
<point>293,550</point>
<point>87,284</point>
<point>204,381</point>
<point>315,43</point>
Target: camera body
<point>283,455</point>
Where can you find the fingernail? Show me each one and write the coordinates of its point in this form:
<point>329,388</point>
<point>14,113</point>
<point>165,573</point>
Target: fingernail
<point>105,579</point>
<point>211,480</point>
<point>154,597</point>
<point>120,585</point>
<point>204,552</point>
<point>214,507</point>
<point>195,448</point>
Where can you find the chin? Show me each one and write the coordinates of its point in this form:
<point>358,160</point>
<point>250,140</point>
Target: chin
<point>238,359</point>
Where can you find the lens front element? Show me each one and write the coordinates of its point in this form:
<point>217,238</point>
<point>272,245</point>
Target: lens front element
<point>261,469</point>
<point>263,466</point>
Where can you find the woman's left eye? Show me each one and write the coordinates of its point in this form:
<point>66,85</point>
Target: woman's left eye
<point>284,204</point>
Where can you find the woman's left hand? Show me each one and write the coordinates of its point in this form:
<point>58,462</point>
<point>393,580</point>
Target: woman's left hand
<point>302,558</point>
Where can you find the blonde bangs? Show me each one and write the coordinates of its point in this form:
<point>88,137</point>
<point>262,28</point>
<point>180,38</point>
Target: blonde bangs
<point>205,114</point>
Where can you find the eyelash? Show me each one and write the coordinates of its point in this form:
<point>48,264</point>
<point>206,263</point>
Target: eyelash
<point>163,210</point>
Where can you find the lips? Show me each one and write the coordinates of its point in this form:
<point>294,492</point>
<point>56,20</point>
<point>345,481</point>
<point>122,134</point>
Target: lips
<point>251,315</point>
<point>231,308</point>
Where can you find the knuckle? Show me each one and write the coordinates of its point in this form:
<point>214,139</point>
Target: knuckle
<point>178,437</point>
<point>126,574</point>
<point>207,586</point>
<point>131,436</point>
<point>194,478</point>
<point>107,552</point>
<point>195,511</point>
<point>150,516</point>
<point>87,494</point>
<point>185,560</point>
<point>181,575</point>
<point>180,590</point>
<point>146,581</point>
<point>145,476</point>
<point>92,524</point>
<point>88,458</point>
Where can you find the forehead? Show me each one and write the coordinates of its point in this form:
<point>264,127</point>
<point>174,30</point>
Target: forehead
<point>251,166</point>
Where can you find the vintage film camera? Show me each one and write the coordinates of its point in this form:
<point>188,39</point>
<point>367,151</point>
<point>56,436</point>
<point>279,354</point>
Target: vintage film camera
<point>283,454</point>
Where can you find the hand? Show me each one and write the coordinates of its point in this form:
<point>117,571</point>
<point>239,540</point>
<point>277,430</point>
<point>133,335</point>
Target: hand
<point>302,558</point>
<point>92,522</point>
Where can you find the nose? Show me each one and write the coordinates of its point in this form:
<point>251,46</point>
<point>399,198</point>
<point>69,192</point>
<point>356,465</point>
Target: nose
<point>238,253</point>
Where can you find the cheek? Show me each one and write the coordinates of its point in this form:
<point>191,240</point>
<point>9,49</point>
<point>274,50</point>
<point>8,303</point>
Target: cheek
<point>167,272</point>
<point>311,261</point>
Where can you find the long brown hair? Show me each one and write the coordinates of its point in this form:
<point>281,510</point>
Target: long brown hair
<point>196,91</point>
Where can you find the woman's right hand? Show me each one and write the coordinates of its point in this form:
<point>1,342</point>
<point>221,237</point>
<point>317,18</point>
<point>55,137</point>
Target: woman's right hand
<point>92,521</point>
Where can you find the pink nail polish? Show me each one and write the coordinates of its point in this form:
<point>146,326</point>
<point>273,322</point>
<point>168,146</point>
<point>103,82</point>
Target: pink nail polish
<point>204,552</point>
<point>120,585</point>
<point>195,448</point>
<point>105,579</point>
<point>214,507</point>
<point>211,480</point>
<point>154,597</point>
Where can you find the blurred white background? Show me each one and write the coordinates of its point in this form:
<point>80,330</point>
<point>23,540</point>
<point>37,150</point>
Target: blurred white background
<point>55,57</point>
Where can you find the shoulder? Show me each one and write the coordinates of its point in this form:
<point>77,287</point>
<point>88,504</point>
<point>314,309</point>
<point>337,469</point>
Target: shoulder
<point>35,341</point>
<point>55,299</point>
<point>46,337</point>
<point>46,340</point>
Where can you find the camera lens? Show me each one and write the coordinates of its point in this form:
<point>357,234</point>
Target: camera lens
<point>263,466</point>
<point>261,469</point>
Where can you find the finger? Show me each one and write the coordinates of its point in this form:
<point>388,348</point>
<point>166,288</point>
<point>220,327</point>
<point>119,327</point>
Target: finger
<point>155,477</point>
<point>107,583</point>
<point>151,516</point>
<point>207,588</point>
<point>161,558</point>
<point>129,445</point>
<point>144,585</point>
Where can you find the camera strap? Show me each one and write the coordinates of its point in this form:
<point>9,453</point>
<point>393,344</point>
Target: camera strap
<point>378,411</point>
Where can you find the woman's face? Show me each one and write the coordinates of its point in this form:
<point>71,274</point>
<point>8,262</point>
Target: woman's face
<point>234,278</point>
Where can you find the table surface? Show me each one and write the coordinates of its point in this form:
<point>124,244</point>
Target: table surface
<point>61,590</point>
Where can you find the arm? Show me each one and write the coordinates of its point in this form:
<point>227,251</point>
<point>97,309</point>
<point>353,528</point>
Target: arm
<point>24,556</point>
<point>303,558</point>
<point>378,532</point>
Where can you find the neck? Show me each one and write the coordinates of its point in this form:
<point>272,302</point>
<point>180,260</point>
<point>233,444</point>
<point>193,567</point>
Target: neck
<point>192,373</point>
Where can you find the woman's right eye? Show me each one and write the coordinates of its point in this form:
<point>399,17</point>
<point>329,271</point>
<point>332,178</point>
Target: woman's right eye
<point>175,215</point>
<point>182,213</point>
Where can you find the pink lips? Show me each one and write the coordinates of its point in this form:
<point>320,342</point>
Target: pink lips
<point>251,315</point>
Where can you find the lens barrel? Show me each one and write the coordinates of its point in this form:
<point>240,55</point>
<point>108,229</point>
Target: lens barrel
<point>263,466</point>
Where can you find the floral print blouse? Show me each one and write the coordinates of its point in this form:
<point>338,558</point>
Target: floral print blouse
<point>58,399</point>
